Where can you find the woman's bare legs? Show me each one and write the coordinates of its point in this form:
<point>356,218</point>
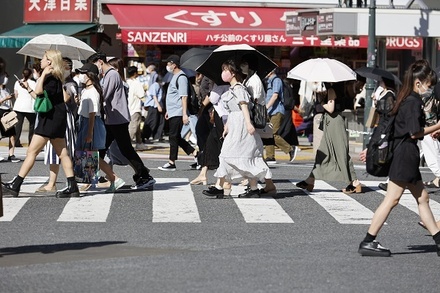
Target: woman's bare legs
<point>35,147</point>
<point>421,195</point>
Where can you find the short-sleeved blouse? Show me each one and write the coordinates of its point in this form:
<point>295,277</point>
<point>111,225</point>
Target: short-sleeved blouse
<point>409,120</point>
<point>53,123</point>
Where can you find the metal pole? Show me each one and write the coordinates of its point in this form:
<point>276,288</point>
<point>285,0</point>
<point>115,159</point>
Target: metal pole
<point>371,62</point>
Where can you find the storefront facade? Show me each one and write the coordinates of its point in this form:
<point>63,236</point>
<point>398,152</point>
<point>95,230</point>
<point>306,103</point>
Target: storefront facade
<point>289,33</point>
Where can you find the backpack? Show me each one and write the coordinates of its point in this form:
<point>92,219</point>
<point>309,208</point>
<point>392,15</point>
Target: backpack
<point>288,98</point>
<point>193,105</point>
<point>381,149</point>
<point>258,112</point>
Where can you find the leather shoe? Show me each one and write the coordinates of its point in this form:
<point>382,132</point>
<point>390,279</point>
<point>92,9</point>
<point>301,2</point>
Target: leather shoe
<point>249,193</point>
<point>383,186</point>
<point>374,249</point>
<point>213,191</point>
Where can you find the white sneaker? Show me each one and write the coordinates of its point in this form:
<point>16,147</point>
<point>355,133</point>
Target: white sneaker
<point>168,167</point>
<point>115,185</point>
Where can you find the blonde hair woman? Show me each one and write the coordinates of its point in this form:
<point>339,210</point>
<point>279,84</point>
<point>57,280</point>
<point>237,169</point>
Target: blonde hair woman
<point>49,126</point>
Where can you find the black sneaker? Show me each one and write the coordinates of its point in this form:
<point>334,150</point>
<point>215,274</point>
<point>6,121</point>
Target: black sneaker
<point>195,166</point>
<point>13,159</point>
<point>249,193</point>
<point>383,186</point>
<point>293,153</point>
<point>144,183</point>
<point>271,161</point>
<point>213,191</point>
<point>373,249</point>
<point>168,167</point>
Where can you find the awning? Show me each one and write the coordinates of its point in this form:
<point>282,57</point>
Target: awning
<point>199,25</point>
<point>16,38</point>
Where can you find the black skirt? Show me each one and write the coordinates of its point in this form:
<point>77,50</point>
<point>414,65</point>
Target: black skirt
<point>406,162</point>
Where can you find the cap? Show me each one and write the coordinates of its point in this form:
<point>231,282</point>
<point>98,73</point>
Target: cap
<point>88,67</point>
<point>174,59</point>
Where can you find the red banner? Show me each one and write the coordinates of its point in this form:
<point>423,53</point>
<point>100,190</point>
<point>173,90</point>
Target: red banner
<point>209,25</point>
<point>39,11</point>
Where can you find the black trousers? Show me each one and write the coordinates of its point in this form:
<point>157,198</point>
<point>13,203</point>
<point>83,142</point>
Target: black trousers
<point>153,125</point>
<point>19,126</point>
<point>175,127</point>
<point>119,133</point>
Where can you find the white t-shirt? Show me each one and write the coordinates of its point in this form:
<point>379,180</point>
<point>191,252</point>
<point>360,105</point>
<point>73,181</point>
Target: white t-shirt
<point>255,87</point>
<point>89,102</point>
<point>23,100</point>
<point>135,94</point>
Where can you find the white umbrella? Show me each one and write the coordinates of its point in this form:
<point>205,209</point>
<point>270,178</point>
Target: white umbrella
<point>322,69</point>
<point>70,47</point>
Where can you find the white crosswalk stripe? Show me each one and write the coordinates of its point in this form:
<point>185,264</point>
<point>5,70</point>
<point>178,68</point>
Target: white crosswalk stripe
<point>343,208</point>
<point>407,200</point>
<point>11,207</point>
<point>174,201</point>
<point>94,208</point>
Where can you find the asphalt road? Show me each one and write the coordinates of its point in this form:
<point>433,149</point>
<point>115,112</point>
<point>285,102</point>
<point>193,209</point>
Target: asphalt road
<point>175,239</point>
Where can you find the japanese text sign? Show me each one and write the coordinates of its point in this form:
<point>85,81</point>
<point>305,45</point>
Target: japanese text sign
<point>57,11</point>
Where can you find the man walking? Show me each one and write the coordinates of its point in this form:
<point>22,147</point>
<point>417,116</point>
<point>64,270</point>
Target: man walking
<point>275,110</point>
<point>177,112</point>
<point>117,118</point>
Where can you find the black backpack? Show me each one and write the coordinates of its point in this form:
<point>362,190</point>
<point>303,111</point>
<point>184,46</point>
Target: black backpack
<point>381,149</point>
<point>288,96</point>
<point>193,104</point>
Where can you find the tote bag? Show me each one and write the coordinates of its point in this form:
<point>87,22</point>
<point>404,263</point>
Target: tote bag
<point>86,167</point>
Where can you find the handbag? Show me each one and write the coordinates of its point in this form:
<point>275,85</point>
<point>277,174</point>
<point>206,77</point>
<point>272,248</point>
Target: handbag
<point>43,103</point>
<point>266,132</point>
<point>86,166</point>
<point>9,120</point>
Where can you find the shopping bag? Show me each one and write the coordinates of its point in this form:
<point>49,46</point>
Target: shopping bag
<point>86,166</point>
<point>266,132</point>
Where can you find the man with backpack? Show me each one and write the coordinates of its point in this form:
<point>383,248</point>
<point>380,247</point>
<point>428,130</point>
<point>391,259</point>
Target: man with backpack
<point>177,112</point>
<point>276,111</point>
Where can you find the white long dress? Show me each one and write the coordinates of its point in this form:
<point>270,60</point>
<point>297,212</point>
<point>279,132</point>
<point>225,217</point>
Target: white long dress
<point>242,153</point>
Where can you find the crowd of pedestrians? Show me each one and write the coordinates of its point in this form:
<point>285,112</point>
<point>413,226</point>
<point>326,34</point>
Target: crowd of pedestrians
<point>100,106</point>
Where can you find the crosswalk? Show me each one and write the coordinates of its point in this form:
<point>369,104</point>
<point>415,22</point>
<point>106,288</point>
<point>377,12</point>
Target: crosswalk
<point>174,200</point>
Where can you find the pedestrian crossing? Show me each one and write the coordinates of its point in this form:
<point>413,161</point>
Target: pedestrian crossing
<point>174,200</point>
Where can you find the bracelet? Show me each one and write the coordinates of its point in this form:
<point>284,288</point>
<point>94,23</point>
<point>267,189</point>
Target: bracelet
<point>30,91</point>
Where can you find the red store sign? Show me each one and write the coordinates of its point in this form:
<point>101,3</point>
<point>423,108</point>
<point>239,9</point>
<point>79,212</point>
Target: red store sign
<point>205,25</point>
<point>38,11</point>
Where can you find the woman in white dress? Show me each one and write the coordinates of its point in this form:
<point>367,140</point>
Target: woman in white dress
<point>242,151</point>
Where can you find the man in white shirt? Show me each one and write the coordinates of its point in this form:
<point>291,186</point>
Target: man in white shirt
<point>136,96</point>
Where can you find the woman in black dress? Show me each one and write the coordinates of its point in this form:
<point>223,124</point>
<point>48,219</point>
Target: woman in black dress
<point>404,171</point>
<point>49,126</point>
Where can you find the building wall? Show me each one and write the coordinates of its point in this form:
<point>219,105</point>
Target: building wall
<point>11,16</point>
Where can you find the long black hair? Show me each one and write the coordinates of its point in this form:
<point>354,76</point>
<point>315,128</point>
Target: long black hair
<point>420,70</point>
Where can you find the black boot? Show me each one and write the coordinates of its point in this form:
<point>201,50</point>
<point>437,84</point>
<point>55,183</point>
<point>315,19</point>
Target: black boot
<point>70,191</point>
<point>13,187</point>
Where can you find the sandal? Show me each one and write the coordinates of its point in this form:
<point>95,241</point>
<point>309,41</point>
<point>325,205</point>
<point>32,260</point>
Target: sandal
<point>421,224</point>
<point>305,185</point>
<point>352,189</point>
<point>430,184</point>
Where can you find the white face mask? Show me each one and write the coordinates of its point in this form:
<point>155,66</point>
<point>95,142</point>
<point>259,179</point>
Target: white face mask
<point>169,68</point>
<point>5,80</point>
<point>82,78</point>
<point>35,76</point>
